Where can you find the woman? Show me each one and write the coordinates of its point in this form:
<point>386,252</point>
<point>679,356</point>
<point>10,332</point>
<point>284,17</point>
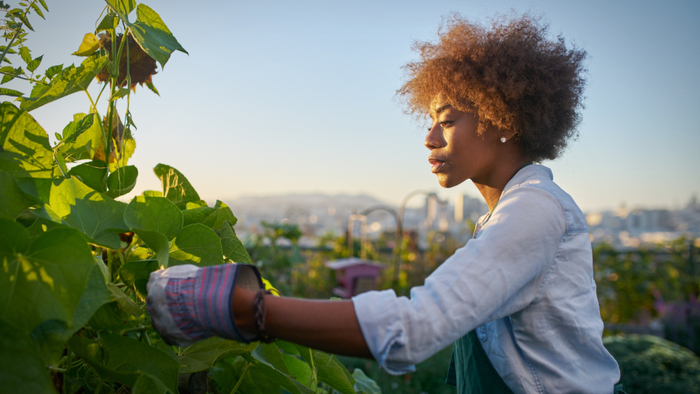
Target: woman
<point>519,300</point>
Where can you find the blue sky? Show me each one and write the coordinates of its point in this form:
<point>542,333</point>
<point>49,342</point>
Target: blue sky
<point>298,97</point>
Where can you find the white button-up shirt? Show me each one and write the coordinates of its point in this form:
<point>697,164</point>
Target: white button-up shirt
<point>525,282</point>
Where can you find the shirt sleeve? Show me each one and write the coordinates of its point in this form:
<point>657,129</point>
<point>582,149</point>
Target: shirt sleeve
<point>494,275</point>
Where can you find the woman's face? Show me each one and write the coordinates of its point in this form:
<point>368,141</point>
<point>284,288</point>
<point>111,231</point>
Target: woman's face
<point>457,151</point>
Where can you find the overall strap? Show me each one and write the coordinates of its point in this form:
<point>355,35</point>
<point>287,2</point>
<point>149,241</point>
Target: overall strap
<point>471,370</point>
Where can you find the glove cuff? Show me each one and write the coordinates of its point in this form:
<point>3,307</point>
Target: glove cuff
<point>213,294</point>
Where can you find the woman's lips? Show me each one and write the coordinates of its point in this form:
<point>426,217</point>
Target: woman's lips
<point>436,164</point>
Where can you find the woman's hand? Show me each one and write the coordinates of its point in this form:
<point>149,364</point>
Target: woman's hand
<point>189,303</point>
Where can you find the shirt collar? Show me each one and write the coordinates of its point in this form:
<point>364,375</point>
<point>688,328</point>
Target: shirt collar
<point>527,172</point>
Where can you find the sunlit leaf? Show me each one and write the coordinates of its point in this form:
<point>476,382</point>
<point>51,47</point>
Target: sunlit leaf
<point>122,7</point>
<point>88,46</point>
<point>53,70</point>
<point>10,92</point>
<point>39,283</point>
<point>153,35</point>
<point>100,218</point>
<point>109,22</point>
<point>196,244</point>
<point>232,246</point>
<point>36,9</point>
<point>25,54</point>
<point>24,145</point>
<point>81,137</point>
<point>13,200</point>
<point>23,17</point>
<point>34,64</point>
<point>213,217</point>
<point>154,214</point>
<point>176,187</point>
<point>68,81</point>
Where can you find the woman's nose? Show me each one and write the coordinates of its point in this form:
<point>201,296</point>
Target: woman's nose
<point>434,139</point>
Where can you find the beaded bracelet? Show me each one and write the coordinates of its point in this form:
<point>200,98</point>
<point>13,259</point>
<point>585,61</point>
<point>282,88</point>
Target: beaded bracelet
<point>260,311</point>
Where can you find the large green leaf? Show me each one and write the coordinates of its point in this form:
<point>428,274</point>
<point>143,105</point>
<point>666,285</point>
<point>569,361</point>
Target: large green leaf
<point>232,246</point>
<point>68,81</point>
<point>136,274</point>
<point>213,217</point>
<point>196,244</point>
<point>154,214</point>
<point>299,369</point>
<point>158,243</point>
<point>153,35</point>
<point>176,187</point>
<point>44,282</point>
<point>120,313</point>
<point>269,353</point>
<point>13,200</point>
<point>122,181</point>
<point>269,379</point>
<point>203,354</point>
<point>149,384</point>
<point>24,145</point>
<point>329,370</point>
<point>124,359</point>
<point>73,203</point>
<point>93,174</point>
<point>52,335</point>
<point>21,368</point>
<point>81,138</point>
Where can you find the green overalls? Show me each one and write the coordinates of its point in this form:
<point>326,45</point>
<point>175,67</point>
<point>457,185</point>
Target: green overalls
<point>477,374</point>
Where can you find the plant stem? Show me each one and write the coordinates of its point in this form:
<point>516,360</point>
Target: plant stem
<point>240,380</point>
<point>313,369</point>
<point>132,329</point>
<point>54,369</point>
<point>99,386</point>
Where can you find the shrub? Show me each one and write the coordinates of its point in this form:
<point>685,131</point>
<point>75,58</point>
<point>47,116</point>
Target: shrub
<point>654,365</point>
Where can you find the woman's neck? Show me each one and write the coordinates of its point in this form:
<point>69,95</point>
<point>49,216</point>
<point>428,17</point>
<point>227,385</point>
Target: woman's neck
<point>492,188</point>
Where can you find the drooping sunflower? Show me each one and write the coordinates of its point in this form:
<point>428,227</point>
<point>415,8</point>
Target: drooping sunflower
<point>141,66</point>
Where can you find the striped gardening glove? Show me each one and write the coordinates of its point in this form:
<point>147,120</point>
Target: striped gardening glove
<point>188,303</point>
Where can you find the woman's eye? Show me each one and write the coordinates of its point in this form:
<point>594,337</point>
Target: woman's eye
<point>446,123</point>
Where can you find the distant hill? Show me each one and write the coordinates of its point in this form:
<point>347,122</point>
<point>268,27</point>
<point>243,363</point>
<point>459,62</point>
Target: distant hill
<point>360,201</point>
<point>327,209</point>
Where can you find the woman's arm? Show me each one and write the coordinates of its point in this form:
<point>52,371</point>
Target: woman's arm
<point>330,326</point>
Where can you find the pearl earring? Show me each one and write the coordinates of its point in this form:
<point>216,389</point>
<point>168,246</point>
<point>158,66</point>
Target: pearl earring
<point>503,140</point>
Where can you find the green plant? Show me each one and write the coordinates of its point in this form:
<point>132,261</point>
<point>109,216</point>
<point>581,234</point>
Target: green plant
<point>653,365</point>
<point>75,261</point>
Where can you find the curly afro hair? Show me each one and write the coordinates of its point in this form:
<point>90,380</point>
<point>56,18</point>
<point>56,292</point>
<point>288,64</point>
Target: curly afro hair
<point>510,75</point>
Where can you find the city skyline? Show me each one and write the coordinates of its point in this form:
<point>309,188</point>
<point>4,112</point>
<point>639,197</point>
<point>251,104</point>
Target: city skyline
<point>299,98</point>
